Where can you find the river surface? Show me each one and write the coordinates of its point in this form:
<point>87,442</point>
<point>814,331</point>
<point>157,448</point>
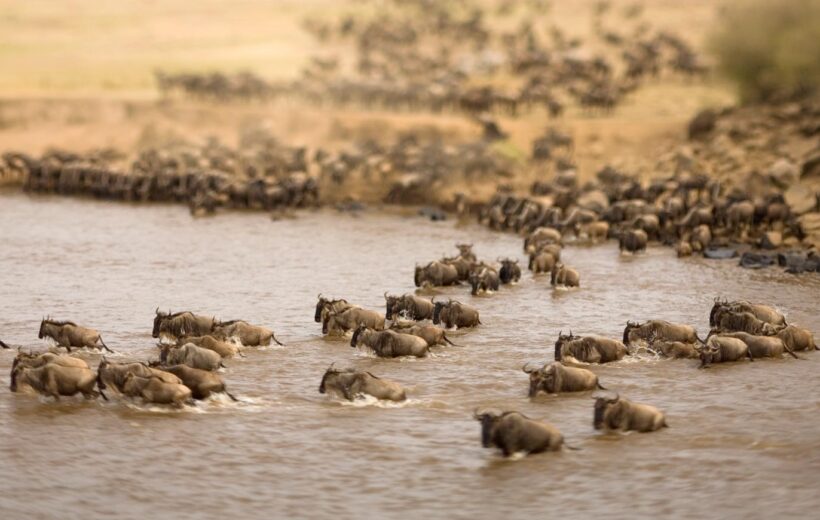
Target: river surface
<point>743,441</point>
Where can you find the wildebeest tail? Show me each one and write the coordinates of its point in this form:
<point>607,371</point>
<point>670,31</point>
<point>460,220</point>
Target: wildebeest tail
<point>571,447</point>
<point>277,341</point>
<point>234,399</point>
<point>4,345</point>
<point>104,345</point>
<point>601,387</point>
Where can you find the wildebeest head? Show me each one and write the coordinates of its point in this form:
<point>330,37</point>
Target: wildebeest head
<point>488,421</point>
<point>317,317</point>
<point>559,343</point>
<point>158,318</point>
<point>466,250</point>
<point>439,306</point>
<point>718,305</point>
<point>354,341</point>
<point>42,333</point>
<point>629,326</point>
<point>102,366</point>
<point>602,405</point>
<point>390,303</point>
<point>556,268</point>
<point>474,279</point>
<point>15,371</point>
<point>543,377</point>
<point>709,354</point>
<point>329,372</point>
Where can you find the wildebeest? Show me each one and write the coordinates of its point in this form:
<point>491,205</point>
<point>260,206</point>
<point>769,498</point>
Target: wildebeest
<point>510,271</point>
<point>623,415</point>
<point>659,330</point>
<point>513,432</point>
<point>541,262</point>
<point>180,324</point>
<point>389,343</point>
<point>633,240</point>
<point>461,265</point>
<point>325,306</point>
<point>762,312</point>
<point>554,378</point>
<point>338,323</point>
<point>249,335</point>
<point>722,349</point>
<point>113,374</point>
<point>589,349</point>
<point>55,380</point>
<point>483,280</point>
<point>68,334</point>
<point>743,322</point>
<point>797,338</point>
<point>408,305</point>
<point>466,251</point>
<point>437,274</point>
<point>349,383</point>
<point>676,349</point>
<point>594,231</point>
<point>31,360</point>
<point>202,383</point>
<point>762,346</point>
<point>191,355</point>
<point>153,389</point>
<point>542,236</point>
<point>455,314</point>
<point>432,334</point>
<point>562,275</point>
<point>223,348</point>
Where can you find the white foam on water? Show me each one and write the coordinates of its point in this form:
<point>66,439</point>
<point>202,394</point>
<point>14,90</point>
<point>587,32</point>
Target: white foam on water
<point>365,400</point>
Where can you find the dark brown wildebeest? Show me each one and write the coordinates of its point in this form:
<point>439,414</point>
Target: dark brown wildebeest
<point>554,378</point>
<point>514,432</point>
<point>455,314</point>
<point>350,383</point>
<point>389,343</point>
<point>623,415</point>
<point>68,334</point>
<point>589,349</point>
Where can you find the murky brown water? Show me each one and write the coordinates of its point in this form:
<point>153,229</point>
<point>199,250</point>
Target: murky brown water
<point>744,440</point>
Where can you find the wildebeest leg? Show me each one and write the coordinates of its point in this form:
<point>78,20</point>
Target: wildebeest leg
<point>446,339</point>
<point>749,353</point>
<point>791,352</point>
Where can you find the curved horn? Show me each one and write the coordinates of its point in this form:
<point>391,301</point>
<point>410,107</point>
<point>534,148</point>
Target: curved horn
<point>524,368</point>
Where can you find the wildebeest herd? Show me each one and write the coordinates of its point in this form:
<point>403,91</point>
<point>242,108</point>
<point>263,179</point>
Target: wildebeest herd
<point>185,371</point>
<point>691,212</point>
<point>447,55</point>
<point>192,349</point>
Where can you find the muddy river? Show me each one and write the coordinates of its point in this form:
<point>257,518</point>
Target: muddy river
<point>743,442</point>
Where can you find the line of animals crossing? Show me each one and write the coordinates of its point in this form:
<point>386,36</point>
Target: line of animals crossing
<point>411,325</point>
